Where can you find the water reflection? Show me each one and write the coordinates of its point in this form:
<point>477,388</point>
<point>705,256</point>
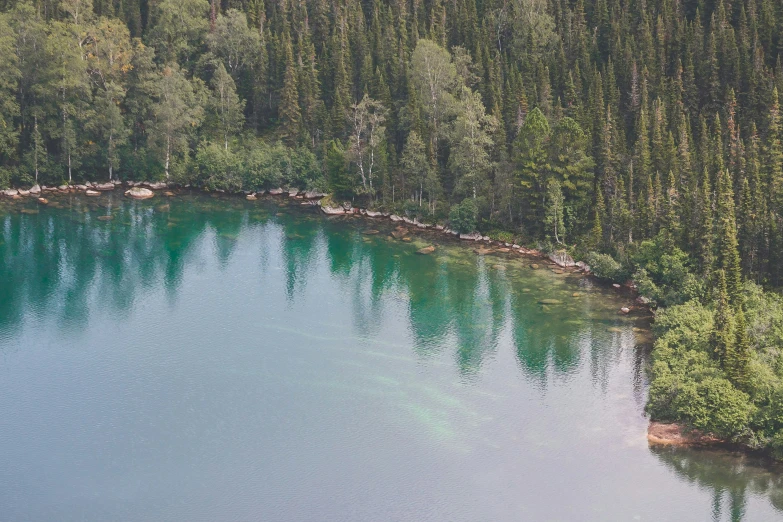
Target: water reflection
<point>61,261</point>
<point>729,476</point>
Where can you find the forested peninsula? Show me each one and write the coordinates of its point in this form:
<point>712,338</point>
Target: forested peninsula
<point>643,136</point>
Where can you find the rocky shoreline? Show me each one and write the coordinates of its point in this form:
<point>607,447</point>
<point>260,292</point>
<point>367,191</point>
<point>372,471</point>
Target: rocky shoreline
<point>560,261</point>
<point>658,433</point>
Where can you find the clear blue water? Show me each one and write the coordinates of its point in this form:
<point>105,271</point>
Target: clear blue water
<point>213,359</point>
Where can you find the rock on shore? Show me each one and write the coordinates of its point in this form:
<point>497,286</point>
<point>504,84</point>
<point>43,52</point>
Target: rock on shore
<point>139,193</point>
<point>673,434</point>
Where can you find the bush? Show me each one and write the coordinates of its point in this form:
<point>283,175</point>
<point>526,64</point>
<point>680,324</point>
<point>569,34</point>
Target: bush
<point>266,165</point>
<point>502,236</point>
<point>218,168</point>
<point>463,216</point>
<point>603,266</point>
<point>663,274</point>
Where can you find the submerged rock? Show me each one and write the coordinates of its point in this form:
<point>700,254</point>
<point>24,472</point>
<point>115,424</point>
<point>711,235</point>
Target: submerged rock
<point>426,250</point>
<point>105,218</point>
<point>139,193</point>
<point>371,232</point>
<point>550,302</point>
<point>251,197</point>
<point>43,201</point>
<point>92,193</point>
<point>399,233</point>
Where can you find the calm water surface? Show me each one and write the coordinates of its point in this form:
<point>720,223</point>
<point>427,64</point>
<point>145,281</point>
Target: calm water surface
<point>212,359</point>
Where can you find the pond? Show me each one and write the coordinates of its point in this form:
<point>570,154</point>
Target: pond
<point>208,358</point>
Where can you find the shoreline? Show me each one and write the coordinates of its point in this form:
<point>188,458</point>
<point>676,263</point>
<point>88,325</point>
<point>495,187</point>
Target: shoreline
<point>658,433</point>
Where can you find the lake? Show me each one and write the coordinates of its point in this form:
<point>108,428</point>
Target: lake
<point>206,358</point>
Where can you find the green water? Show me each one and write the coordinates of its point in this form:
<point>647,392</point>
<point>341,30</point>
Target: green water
<point>209,358</point>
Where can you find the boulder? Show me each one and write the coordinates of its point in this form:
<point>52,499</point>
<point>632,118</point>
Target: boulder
<point>535,266</point>
<point>625,310</point>
<point>426,250</point>
<point>24,192</point>
<point>615,285</point>
<point>642,300</point>
<point>332,211</point>
<point>251,197</point>
<point>395,218</point>
<point>158,186</point>
<point>275,191</point>
<point>93,193</point>
<point>314,194</point>
<point>35,190</point>
<point>672,434</point>
<point>139,193</point>
<point>43,201</point>
<point>63,188</point>
<point>11,192</point>
<point>81,187</point>
<point>104,186</point>
<point>471,237</point>
<point>372,214</point>
<point>292,192</point>
<point>562,259</point>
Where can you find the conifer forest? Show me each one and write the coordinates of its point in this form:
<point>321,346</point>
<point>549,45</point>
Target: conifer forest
<point>644,137</point>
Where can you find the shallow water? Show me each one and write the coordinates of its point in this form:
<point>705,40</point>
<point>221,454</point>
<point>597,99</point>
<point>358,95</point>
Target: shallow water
<point>218,359</point>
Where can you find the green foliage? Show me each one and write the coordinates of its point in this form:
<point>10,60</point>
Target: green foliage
<point>604,267</point>
<point>218,168</point>
<point>687,383</point>
<point>663,274</point>
<point>464,216</point>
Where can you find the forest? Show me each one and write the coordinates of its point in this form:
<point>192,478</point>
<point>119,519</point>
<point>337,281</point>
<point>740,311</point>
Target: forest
<point>644,136</point>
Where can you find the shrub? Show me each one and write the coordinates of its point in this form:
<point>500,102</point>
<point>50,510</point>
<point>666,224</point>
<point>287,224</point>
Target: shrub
<point>218,168</point>
<point>463,216</point>
<point>603,266</point>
